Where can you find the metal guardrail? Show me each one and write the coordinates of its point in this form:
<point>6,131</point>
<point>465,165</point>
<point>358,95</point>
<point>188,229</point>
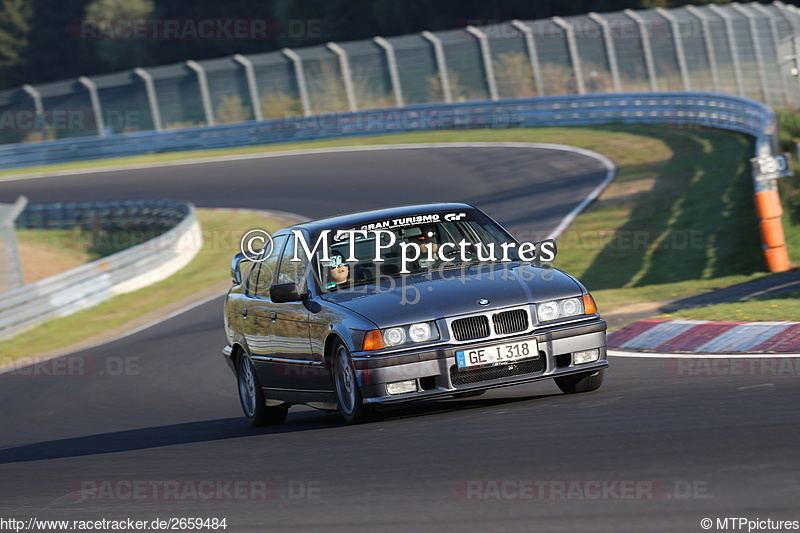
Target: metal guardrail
<point>95,282</point>
<point>124,215</point>
<point>672,109</point>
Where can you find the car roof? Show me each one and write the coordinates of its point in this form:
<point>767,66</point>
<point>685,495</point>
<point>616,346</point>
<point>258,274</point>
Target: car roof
<point>362,217</point>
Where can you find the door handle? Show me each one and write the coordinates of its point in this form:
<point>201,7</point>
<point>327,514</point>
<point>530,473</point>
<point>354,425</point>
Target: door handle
<point>244,312</point>
<point>273,315</point>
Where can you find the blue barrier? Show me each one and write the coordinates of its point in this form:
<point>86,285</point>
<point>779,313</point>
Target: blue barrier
<point>125,214</point>
<point>673,109</point>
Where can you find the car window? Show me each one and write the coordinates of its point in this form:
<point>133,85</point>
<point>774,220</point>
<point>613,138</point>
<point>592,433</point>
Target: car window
<point>249,272</point>
<point>292,271</point>
<point>266,270</point>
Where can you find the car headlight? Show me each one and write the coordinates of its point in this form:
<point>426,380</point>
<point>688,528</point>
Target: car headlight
<point>555,309</point>
<point>419,332</point>
<point>400,335</point>
<point>394,336</point>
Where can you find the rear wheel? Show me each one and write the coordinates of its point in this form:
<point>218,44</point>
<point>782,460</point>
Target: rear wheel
<point>252,397</point>
<point>345,384</point>
<point>582,382</point>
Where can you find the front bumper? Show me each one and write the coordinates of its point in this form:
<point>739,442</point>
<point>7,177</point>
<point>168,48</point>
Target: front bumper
<point>437,375</point>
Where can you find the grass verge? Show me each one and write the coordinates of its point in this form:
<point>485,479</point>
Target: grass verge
<point>221,232</point>
<point>46,252</point>
<point>781,307</point>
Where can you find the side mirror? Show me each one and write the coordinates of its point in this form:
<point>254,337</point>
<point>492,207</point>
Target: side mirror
<point>285,292</point>
<point>236,272</point>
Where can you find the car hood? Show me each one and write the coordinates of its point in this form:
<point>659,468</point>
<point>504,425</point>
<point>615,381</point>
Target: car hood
<point>445,293</point>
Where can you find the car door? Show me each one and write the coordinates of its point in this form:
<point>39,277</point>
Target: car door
<point>255,310</point>
<point>291,345</point>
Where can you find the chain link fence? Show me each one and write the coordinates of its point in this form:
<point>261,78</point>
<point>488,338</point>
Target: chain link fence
<point>740,49</point>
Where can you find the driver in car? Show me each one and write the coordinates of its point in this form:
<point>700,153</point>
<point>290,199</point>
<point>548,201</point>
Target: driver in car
<point>428,245</point>
<point>338,271</point>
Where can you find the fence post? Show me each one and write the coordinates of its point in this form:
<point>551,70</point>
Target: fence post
<point>677,39</point>
<point>574,58</point>
<point>441,64</point>
<point>96,109</point>
<point>38,107</point>
<point>644,38</point>
<point>344,64</point>
<point>152,98</point>
<point>776,43</point>
<point>530,46</point>
<point>8,216</point>
<point>300,75</point>
<point>486,53</point>
<point>205,95</point>
<point>394,74</point>
<point>737,68</point>
<point>252,87</point>
<point>762,74</point>
<point>611,52</point>
<point>709,44</point>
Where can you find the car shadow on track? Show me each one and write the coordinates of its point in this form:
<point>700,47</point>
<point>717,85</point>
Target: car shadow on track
<point>226,428</point>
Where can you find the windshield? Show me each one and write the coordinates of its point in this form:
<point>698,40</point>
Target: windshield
<point>404,246</point>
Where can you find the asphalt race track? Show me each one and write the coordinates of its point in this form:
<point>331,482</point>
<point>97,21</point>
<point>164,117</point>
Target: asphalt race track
<point>149,426</point>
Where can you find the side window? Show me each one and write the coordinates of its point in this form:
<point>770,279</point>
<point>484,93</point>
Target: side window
<point>266,270</point>
<point>293,271</point>
<point>249,272</point>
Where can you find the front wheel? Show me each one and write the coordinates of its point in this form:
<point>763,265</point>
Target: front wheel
<point>582,382</point>
<point>252,397</point>
<point>348,394</point>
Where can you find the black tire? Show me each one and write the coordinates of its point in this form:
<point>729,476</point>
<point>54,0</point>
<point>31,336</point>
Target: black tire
<point>252,397</point>
<point>345,385</point>
<point>582,382</point>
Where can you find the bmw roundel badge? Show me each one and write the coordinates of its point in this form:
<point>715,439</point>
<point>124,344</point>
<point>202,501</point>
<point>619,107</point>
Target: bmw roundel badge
<point>483,301</point>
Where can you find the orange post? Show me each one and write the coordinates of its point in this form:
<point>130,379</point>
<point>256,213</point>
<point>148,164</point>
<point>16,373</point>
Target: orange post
<point>769,211</point>
<point>777,259</point>
<point>768,205</point>
<point>772,233</point>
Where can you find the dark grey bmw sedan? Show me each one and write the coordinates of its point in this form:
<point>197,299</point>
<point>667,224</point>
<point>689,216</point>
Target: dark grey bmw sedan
<point>359,312</point>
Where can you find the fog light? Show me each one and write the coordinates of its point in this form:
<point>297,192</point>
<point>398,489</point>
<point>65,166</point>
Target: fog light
<point>586,356</point>
<point>402,387</point>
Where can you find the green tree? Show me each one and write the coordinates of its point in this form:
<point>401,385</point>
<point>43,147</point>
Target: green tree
<point>15,18</point>
<point>120,53</point>
<point>55,50</point>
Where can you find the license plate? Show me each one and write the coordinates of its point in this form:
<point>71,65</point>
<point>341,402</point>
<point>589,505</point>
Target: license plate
<point>497,354</point>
